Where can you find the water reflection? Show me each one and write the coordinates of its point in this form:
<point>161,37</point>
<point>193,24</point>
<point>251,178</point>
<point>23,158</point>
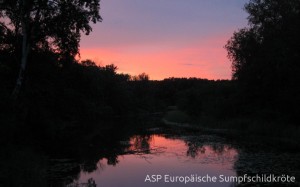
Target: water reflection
<point>158,155</point>
<point>119,158</point>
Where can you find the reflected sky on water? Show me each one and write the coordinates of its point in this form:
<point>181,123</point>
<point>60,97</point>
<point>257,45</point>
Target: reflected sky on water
<point>159,155</point>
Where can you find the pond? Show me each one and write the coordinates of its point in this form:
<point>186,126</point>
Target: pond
<point>156,160</point>
<point>151,156</point>
<point>168,157</point>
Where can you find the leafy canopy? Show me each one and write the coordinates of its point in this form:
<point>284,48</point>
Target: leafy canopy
<point>267,50</point>
<point>50,24</point>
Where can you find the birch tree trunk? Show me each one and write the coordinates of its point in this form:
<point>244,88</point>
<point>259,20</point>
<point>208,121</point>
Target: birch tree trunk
<point>25,52</point>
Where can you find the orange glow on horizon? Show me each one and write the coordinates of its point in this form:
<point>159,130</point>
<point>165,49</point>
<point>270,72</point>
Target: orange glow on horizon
<point>202,59</point>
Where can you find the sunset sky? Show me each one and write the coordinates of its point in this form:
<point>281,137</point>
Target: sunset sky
<point>165,38</point>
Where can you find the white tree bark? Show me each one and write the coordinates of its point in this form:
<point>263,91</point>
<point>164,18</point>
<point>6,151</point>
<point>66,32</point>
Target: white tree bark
<point>25,52</point>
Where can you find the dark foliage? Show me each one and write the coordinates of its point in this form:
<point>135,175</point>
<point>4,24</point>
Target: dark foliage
<point>265,57</point>
<point>66,103</point>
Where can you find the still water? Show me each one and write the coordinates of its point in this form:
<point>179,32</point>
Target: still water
<point>129,156</point>
<point>155,159</point>
<point>124,158</point>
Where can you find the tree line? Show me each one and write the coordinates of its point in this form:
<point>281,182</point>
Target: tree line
<point>45,88</point>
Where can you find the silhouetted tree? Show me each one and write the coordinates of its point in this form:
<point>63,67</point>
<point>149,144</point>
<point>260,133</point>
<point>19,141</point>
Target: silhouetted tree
<point>54,25</point>
<point>265,55</point>
<point>141,77</point>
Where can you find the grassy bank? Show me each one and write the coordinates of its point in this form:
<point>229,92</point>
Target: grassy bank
<point>252,128</point>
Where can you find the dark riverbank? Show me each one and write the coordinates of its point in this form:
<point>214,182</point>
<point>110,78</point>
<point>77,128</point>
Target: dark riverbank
<point>138,143</point>
<point>67,113</point>
<point>252,129</point>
